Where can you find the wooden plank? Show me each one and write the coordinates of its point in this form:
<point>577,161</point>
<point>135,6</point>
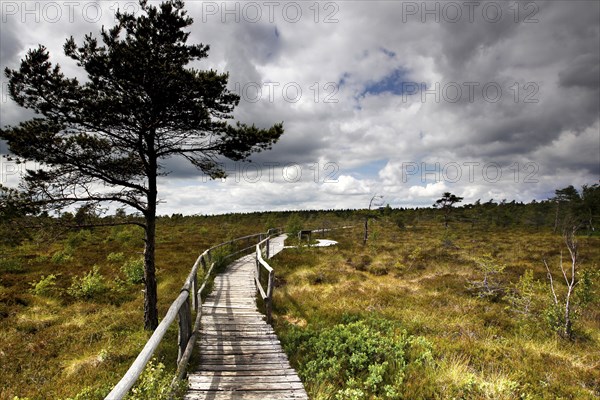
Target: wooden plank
<point>232,305</point>
<point>245,374</point>
<point>240,354</point>
<point>211,338</point>
<point>237,329</point>
<point>258,358</point>
<point>245,386</point>
<point>249,349</point>
<point>243,379</point>
<point>247,395</point>
<point>265,367</point>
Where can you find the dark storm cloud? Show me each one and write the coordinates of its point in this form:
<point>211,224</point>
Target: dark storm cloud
<point>583,71</point>
<point>553,45</point>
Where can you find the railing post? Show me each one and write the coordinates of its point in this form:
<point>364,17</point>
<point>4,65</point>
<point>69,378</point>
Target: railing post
<point>257,264</point>
<point>194,289</point>
<point>185,327</point>
<point>267,252</point>
<point>269,301</point>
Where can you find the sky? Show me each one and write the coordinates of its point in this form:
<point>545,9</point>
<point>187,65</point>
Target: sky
<point>400,99</point>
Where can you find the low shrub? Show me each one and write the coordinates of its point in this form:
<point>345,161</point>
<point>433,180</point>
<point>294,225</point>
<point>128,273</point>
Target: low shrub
<point>115,258</point>
<point>364,359</point>
<point>10,265</point>
<point>74,239</point>
<point>62,256</point>
<point>46,286</point>
<point>155,384</point>
<point>134,270</point>
<point>89,285</point>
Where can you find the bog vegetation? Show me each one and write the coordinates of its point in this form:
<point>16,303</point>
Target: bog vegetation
<point>420,311</point>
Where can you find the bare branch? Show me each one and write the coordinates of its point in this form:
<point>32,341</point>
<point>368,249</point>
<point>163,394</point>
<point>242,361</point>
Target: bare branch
<point>551,282</point>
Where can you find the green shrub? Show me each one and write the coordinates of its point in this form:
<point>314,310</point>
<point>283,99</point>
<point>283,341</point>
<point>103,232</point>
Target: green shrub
<point>490,271</point>
<point>62,256</point>
<point>219,257</point>
<point>126,234</point>
<point>115,257</point>
<point>91,393</point>
<point>293,226</point>
<point>74,239</point>
<point>586,291</point>
<point>155,384</point>
<point>362,359</point>
<point>46,286</point>
<point>10,265</point>
<point>89,285</point>
<point>134,270</point>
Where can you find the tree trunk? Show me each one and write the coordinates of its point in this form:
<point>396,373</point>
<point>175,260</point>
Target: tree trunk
<point>366,230</point>
<point>568,325</point>
<point>556,217</point>
<point>150,294</point>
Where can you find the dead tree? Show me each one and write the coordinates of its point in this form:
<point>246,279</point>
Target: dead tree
<point>570,276</point>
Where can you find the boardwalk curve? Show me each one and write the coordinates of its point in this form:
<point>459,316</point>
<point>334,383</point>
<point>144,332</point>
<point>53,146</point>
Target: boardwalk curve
<point>240,355</point>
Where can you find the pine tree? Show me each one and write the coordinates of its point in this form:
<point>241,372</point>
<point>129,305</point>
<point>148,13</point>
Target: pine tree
<point>106,139</point>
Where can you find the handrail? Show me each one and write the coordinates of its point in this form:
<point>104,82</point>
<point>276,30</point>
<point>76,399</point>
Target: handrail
<point>260,262</point>
<point>182,308</point>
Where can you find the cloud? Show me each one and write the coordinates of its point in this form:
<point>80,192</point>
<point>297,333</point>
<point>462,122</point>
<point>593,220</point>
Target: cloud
<point>520,93</point>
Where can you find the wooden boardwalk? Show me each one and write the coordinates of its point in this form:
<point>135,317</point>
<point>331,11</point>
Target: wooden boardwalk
<point>240,355</point>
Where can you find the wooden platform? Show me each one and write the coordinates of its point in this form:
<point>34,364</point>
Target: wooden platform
<point>240,355</point>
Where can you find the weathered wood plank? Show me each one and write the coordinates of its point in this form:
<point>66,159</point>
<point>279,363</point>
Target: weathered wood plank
<point>249,348</point>
<point>256,395</point>
<point>245,386</point>
<point>250,378</point>
<point>240,354</point>
<point>243,359</point>
<point>265,367</point>
<point>283,374</point>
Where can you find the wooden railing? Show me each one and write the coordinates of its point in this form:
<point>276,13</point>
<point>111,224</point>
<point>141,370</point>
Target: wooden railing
<point>182,307</point>
<point>261,264</point>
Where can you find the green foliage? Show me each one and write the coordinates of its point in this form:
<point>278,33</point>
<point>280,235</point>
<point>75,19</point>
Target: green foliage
<point>75,239</point>
<point>448,239</point>
<point>219,257</point>
<point>92,393</point>
<point>521,294</point>
<point>62,256</point>
<point>586,291</point>
<point>554,314</point>
<point>415,256</point>
<point>270,223</point>
<point>489,270</point>
<point>445,204</point>
<point>134,270</point>
<point>89,285</point>
<point>293,225</point>
<point>155,384</point>
<point>9,264</point>
<point>46,286</point>
<point>115,258</point>
<point>126,235</point>
<point>399,222</point>
<point>363,358</point>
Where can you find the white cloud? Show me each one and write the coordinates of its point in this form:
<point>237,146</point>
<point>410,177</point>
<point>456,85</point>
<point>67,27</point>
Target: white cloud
<point>558,135</point>
<point>429,191</point>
